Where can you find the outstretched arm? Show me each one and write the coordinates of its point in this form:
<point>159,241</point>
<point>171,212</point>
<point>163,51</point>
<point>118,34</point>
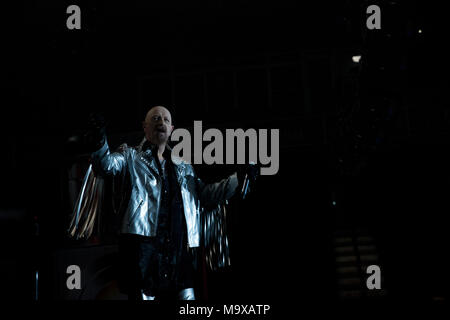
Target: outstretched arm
<point>214,193</point>
<point>109,163</point>
<point>239,182</point>
<point>103,161</point>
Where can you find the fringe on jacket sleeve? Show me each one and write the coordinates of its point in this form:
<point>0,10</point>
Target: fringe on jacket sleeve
<point>214,238</point>
<point>87,206</point>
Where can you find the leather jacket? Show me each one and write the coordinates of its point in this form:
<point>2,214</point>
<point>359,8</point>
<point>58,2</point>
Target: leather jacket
<point>141,215</point>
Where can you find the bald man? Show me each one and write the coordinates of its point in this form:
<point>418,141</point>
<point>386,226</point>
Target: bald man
<point>160,229</point>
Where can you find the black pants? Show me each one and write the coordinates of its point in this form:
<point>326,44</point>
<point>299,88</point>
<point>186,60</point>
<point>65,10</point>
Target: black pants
<point>141,268</point>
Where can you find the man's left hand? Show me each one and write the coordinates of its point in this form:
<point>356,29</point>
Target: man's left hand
<point>247,176</point>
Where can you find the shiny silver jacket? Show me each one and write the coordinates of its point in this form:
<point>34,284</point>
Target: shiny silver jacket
<point>141,215</point>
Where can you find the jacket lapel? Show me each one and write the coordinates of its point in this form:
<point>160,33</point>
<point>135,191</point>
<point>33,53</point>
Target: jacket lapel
<point>147,158</point>
<point>150,161</point>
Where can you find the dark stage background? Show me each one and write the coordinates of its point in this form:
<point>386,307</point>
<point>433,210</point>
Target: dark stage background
<point>364,170</point>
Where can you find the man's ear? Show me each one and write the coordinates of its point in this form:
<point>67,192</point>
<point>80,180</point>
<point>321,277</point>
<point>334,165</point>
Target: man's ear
<point>143,124</point>
<point>170,133</point>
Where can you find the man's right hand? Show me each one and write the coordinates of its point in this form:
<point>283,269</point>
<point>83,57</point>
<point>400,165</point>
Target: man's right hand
<point>96,131</point>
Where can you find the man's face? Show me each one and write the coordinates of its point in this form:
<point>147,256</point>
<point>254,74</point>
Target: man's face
<point>158,125</point>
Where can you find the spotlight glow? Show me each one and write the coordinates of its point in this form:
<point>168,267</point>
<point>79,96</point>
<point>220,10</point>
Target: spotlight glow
<point>356,59</point>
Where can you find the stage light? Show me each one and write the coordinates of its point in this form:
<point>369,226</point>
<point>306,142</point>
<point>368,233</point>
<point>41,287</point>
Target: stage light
<point>356,59</point>
<point>73,139</point>
<point>36,285</point>
<point>420,31</point>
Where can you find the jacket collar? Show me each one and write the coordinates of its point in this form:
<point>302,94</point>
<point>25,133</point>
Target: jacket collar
<point>149,151</point>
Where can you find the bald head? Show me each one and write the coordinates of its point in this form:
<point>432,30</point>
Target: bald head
<point>158,125</point>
